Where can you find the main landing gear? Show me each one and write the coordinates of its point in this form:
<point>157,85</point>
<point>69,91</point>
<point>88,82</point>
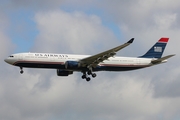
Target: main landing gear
<point>21,70</point>
<point>85,75</point>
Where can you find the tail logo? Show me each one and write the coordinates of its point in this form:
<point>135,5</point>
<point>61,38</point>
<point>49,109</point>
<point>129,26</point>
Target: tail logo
<point>157,49</point>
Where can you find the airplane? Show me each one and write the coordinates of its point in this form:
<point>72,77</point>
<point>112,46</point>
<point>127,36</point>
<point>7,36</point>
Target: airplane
<point>66,64</point>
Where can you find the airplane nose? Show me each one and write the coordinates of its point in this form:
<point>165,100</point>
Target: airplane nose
<point>5,60</point>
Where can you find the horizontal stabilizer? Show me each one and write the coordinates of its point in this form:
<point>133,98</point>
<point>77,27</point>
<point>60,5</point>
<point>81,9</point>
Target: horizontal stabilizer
<point>161,59</point>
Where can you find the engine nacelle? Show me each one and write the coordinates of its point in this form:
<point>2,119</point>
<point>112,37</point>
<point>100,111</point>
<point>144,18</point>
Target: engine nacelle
<point>63,72</point>
<point>72,64</point>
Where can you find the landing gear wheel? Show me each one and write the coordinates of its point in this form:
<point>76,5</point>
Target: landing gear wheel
<point>89,72</point>
<point>88,79</point>
<point>21,72</point>
<point>94,75</point>
<point>83,76</point>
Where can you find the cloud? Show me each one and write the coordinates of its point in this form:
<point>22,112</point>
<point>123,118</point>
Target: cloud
<point>6,45</point>
<point>71,32</point>
<point>145,20</point>
<point>120,98</point>
<point>101,99</point>
<point>33,4</point>
<point>139,14</point>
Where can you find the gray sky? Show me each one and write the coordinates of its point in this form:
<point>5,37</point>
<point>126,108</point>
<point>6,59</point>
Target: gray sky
<point>81,27</point>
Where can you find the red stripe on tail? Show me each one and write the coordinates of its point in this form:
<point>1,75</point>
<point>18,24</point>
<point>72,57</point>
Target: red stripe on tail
<point>164,40</point>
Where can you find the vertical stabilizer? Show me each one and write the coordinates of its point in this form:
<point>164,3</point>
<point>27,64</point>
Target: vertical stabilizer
<point>157,50</point>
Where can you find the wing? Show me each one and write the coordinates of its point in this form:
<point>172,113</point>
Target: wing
<point>92,61</point>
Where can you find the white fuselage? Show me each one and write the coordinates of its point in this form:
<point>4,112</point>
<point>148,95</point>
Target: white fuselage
<point>57,61</point>
<point>66,64</point>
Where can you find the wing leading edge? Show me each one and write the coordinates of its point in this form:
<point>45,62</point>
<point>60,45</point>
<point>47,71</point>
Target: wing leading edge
<point>93,60</point>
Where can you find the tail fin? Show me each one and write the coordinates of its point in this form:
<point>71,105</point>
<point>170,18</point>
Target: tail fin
<point>157,50</point>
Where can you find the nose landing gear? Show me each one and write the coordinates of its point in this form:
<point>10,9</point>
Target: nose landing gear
<point>21,70</point>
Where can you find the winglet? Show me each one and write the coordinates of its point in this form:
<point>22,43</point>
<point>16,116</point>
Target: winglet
<point>131,40</point>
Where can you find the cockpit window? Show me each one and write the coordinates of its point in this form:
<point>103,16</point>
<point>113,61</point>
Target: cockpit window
<point>11,56</point>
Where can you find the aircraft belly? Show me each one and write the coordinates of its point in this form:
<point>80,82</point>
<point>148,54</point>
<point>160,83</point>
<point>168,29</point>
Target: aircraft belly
<point>119,67</point>
<point>40,65</point>
<point>111,68</point>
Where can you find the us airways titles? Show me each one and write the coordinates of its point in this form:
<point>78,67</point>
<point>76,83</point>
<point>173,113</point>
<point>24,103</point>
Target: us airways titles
<point>50,55</point>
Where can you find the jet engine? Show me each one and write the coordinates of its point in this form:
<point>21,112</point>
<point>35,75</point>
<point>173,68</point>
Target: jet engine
<point>72,64</point>
<point>63,72</point>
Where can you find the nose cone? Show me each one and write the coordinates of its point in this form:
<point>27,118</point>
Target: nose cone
<point>8,61</point>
